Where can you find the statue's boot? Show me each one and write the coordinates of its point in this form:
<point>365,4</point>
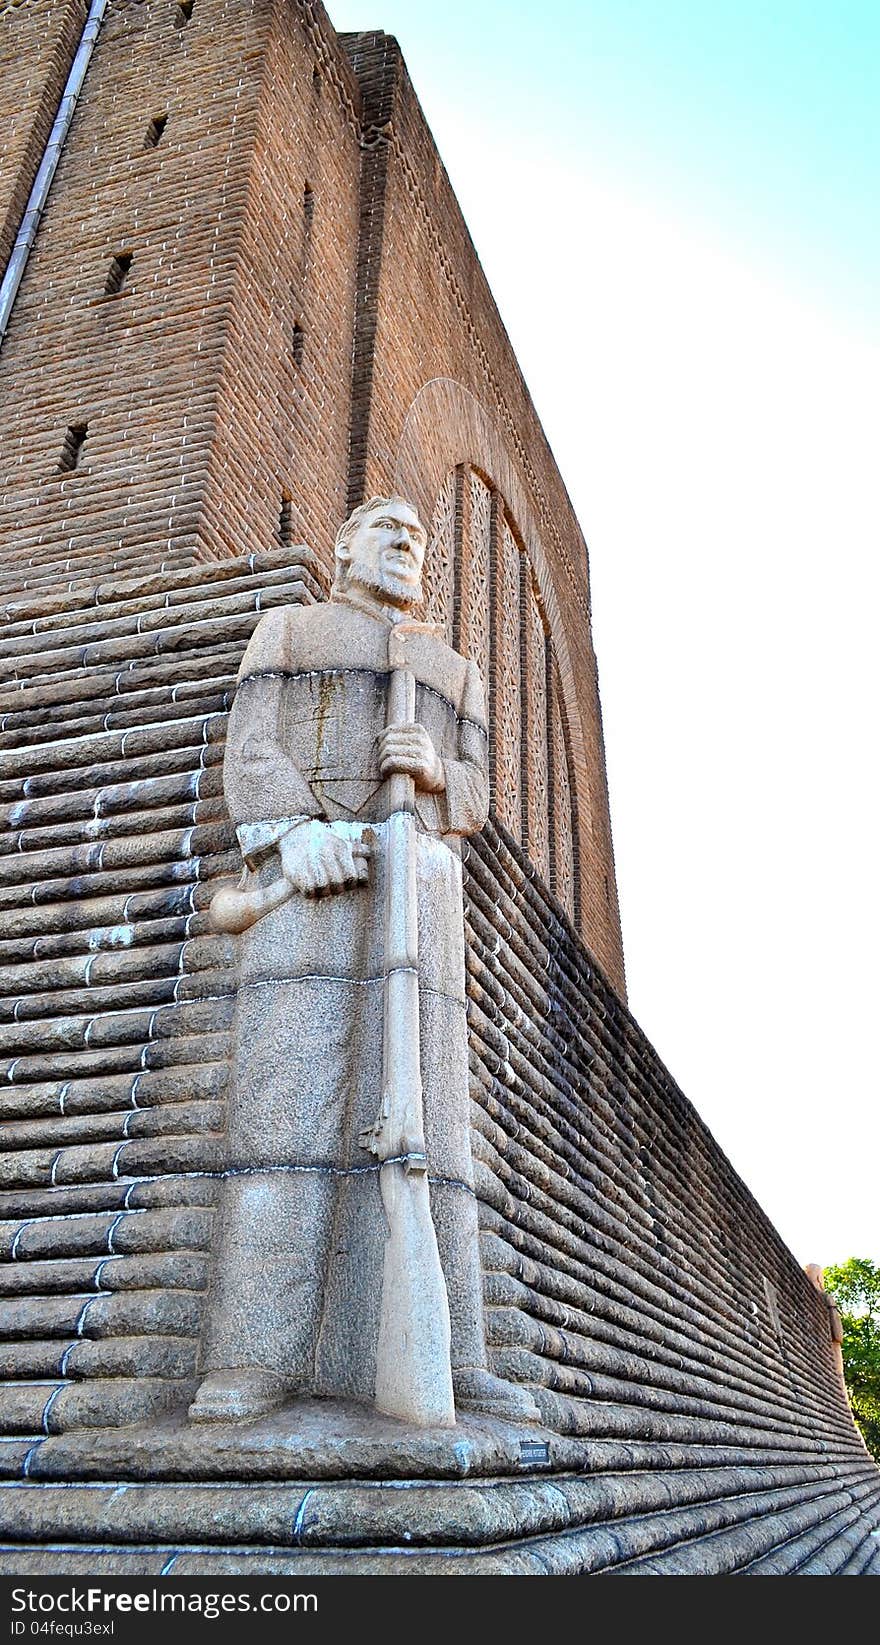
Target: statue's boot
<point>234,1396</point>
<point>476,1389</point>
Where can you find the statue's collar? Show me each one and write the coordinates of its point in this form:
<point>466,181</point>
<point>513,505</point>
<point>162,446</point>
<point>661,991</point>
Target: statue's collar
<point>391,615</point>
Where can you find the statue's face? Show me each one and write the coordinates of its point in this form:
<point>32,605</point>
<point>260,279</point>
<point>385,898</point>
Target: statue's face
<point>387,552</point>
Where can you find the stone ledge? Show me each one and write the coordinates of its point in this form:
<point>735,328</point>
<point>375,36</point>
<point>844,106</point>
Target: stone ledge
<point>306,1440</point>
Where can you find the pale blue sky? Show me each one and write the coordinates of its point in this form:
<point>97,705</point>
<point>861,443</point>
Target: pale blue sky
<point>675,205</point>
<point>758,120</point>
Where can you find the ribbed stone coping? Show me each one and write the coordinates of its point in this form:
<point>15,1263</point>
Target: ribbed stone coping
<point>730,1520</point>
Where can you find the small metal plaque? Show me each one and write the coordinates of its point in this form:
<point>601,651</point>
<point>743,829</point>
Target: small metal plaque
<point>533,1450</point>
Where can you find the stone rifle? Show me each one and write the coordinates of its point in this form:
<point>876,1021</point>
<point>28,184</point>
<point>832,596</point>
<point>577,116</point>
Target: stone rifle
<point>413,1365</point>
<point>413,1370</point>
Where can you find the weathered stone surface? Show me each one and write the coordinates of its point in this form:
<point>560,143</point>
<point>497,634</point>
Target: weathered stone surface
<point>335,994</point>
<point>298,1442</point>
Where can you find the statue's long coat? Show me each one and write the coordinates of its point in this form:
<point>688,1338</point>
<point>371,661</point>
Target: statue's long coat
<point>299,1262</point>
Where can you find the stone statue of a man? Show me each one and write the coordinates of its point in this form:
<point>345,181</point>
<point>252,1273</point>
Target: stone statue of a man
<point>298,1266</point>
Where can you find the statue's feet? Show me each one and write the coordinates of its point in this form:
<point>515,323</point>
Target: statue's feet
<point>476,1389</point>
<point>233,1396</point>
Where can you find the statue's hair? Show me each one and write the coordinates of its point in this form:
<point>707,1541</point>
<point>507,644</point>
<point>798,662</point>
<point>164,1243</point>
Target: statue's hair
<point>349,527</point>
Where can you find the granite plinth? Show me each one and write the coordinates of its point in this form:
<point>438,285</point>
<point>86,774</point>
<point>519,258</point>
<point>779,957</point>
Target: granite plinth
<point>308,1439</point>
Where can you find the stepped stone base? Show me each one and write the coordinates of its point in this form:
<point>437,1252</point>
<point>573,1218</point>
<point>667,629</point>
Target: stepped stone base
<point>318,1490</point>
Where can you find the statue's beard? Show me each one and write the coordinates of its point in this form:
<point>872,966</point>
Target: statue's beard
<point>386,586</point>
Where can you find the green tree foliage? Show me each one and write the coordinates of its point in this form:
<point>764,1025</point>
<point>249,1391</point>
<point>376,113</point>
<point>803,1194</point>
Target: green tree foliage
<point>856,1286</point>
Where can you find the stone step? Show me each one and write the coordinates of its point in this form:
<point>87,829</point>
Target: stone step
<point>100,1234</point>
<point>523,1527</point>
<point>173,677</point>
<point>746,1539</point>
<point>180,1270</point>
<point>108,1161</point>
<point>71,755</point>
<point>160,585</point>
<point>231,615</point>
<point>144,598</point>
<point>84,941</point>
<point>28,729</point>
<point>119,650</point>
<point>78,1357</point>
<point>128,1047</point>
<point>77,1130</point>
<point>124,909</point>
<point>477,1514</point>
<point>145,1193</point>
<point>116,1093</point>
<point>133,1313</point>
<point>189,755</point>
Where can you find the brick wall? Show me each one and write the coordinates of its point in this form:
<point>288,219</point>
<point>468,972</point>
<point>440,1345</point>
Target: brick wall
<point>283,409</point>
<point>426,312</point>
<point>140,367</point>
<point>289,270</point>
<point>200,419</point>
<point>37,41</point>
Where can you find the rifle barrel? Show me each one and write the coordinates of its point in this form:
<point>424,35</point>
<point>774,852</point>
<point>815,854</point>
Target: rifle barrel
<point>413,1368</point>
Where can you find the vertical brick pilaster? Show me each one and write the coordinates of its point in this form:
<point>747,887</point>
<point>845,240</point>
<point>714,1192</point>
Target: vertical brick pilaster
<point>462,524</point>
<point>375,58</point>
<point>505,674</point>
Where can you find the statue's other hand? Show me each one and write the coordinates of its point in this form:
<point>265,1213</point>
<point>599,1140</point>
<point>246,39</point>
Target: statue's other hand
<point>318,862</point>
<point>409,749</point>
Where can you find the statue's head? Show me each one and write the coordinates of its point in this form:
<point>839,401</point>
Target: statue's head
<point>381,549</point>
